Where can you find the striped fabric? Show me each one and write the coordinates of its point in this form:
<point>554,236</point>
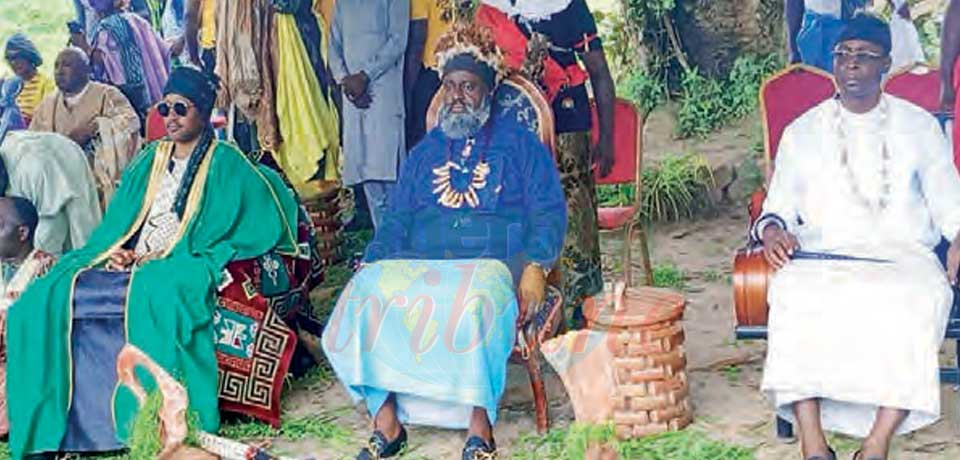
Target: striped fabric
<point>32,93</point>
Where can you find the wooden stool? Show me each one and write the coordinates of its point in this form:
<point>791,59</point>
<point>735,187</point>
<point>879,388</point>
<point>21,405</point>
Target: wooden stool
<point>649,364</point>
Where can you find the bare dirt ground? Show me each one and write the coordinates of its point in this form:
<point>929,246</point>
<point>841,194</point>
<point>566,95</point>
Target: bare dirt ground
<point>724,374</point>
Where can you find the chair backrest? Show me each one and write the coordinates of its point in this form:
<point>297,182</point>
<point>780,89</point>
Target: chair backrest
<point>784,97</point>
<point>155,130</point>
<point>516,98</point>
<point>627,143</point>
<point>917,83</point>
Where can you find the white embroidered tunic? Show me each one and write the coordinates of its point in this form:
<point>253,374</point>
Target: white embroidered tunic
<point>162,223</point>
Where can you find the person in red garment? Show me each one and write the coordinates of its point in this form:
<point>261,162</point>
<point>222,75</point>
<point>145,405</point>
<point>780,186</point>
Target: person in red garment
<point>949,52</point>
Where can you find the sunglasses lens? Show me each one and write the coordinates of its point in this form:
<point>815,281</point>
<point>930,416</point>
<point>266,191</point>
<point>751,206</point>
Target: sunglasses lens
<point>163,109</point>
<point>180,109</point>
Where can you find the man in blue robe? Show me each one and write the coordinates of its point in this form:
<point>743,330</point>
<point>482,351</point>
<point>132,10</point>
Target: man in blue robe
<point>423,332</point>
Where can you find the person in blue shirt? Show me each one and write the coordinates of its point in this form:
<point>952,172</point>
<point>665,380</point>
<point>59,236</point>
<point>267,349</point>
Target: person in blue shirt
<point>813,27</point>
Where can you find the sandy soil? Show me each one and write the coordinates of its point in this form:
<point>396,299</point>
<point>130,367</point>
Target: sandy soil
<point>727,403</point>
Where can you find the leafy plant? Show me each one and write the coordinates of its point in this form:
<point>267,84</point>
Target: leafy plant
<point>645,90</point>
<point>669,276</point>
<point>676,187</point>
<point>706,104</point>
<point>614,32</point>
<point>701,109</point>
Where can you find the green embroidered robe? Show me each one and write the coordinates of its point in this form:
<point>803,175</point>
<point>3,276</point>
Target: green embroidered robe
<point>235,210</point>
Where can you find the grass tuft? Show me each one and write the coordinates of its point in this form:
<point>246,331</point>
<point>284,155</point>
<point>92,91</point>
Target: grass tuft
<point>572,442</point>
<point>669,276</point>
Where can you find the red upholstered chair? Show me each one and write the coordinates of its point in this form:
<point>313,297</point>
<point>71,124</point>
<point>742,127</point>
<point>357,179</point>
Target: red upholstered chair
<point>917,83</point>
<point>627,169</point>
<point>783,98</point>
<point>521,100</point>
<point>155,129</point>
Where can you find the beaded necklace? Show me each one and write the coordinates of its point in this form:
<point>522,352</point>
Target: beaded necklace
<point>885,188</point>
<point>449,196</point>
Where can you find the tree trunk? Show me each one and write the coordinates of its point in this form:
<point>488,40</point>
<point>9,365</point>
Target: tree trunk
<point>715,32</point>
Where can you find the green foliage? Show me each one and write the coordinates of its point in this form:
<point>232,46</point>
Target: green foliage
<point>676,187</point>
<point>645,11</point>
<point>732,373</point>
<point>646,91</point>
<point>321,427</point>
<point>581,436</point>
<point>669,276</point>
<point>568,443</point>
<point>145,436</point>
<point>707,104</point>
<point>930,33</point>
<point>743,82</point>
<point>688,444</point>
<point>617,45</point>
<point>337,276</point>
<point>317,376</point>
<point>702,107</point>
<point>712,276</point>
<point>843,443</point>
<point>571,443</point>
<point>615,195</point>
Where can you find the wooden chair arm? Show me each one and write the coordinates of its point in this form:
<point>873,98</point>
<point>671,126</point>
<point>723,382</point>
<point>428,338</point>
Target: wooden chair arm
<point>756,205</point>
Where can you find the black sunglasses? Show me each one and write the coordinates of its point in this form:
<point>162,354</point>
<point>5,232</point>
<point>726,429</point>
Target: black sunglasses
<point>179,108</point>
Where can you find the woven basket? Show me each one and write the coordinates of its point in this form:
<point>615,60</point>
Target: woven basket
<point>649,365</point>
<point>325,211</point>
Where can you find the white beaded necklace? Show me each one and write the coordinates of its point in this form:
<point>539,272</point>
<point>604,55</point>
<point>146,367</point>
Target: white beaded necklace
<point>885,188</point>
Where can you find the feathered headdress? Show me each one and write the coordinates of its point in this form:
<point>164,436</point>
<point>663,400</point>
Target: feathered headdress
<point>468,46</point>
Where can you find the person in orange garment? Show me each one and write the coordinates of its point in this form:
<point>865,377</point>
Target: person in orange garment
<point>949,52</point>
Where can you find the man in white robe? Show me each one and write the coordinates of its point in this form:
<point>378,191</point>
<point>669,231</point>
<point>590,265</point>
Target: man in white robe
<point>52,172</point>
<point>853,345</point>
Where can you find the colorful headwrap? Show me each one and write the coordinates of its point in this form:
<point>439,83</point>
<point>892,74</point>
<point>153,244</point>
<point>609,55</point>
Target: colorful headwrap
<point>868,28</point>
<point>197,86</point>
<point>19,46</point>
<point>471,48</point>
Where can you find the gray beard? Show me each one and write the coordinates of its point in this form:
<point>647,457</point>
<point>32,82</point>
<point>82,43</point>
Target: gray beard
<point>466,124</point>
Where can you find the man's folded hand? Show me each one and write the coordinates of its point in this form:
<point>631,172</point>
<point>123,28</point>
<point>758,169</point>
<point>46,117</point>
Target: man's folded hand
<point>778,246</point>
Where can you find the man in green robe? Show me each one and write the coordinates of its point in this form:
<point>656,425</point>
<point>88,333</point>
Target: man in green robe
<point>183,210</point>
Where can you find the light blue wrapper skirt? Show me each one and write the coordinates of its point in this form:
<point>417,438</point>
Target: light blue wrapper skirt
<point>437,333</point>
